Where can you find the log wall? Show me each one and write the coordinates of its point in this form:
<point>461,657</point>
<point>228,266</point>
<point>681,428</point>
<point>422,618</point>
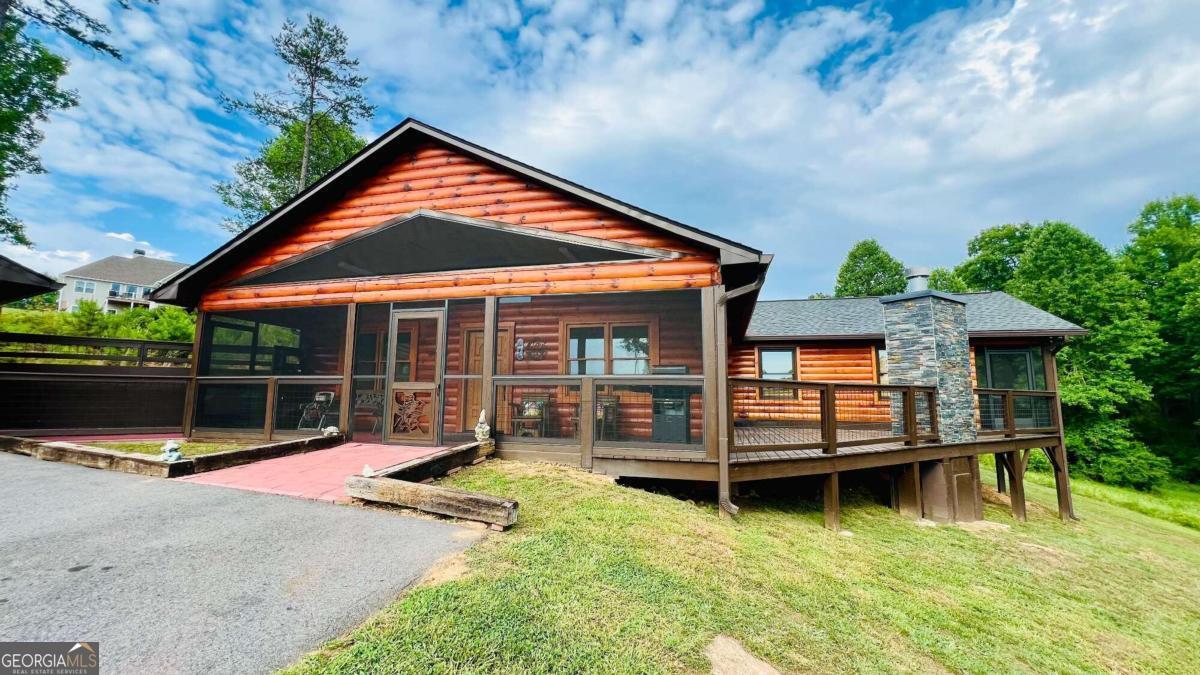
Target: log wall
<point>439,178</point>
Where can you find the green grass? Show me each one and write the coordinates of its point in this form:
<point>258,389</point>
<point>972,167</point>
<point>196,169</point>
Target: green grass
<point>597,577</point>
<point>1175,501</point>
<point>190,448</point>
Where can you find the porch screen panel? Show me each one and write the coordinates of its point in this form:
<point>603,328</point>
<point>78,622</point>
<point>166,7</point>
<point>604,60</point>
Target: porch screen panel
<point>279,342</point>
<point>462,377</point>
<point>231,405</point>
<point>370,372</point>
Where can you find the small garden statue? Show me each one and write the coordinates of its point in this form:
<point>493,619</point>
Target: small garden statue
<point>482,430</point>
<point>171,451</point>
<point>330,431</point>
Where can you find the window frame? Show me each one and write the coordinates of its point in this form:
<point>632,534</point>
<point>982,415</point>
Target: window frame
<point>1034,355</point>
<point>792,393</point>
<point>650,323</point>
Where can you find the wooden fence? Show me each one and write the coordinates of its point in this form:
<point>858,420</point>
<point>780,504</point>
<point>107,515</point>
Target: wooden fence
<point>59,385</point>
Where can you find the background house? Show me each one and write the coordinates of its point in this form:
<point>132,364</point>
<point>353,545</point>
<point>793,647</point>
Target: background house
<point>116,283</point>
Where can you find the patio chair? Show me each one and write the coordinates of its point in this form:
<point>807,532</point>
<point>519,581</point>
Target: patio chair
<point>607,408</point>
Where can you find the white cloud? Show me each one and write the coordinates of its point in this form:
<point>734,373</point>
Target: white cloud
<point>795,134</point>
<point>123,236</point>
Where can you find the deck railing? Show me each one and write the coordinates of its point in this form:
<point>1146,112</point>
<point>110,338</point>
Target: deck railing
<point>1009,412</point>
<point>776,415</point>
<point>652,412</point>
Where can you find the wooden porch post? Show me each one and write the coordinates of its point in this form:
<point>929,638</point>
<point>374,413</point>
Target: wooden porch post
<point>708,350</point>
<point>189,396</point>
<point>1000,475</point>
<point>833,506</point>
<point>488,394</point>
<point>1062,475</point>
<point>345,408</point>
<point>720,333</point>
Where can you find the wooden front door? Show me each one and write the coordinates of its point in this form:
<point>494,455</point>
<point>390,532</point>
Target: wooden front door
<point>469,414</point>
<point>415,377</point>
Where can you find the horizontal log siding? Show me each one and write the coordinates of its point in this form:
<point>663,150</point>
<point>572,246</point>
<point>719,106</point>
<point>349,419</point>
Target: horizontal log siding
<point>599,278</point>
<point>436,177</point>
<point>815,363</point>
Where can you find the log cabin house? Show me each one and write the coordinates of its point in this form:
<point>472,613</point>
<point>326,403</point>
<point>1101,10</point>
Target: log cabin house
<point>428,279</point>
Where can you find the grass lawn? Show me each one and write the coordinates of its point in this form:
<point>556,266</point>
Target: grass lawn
<point>602,578</point>
<point>190,448</point>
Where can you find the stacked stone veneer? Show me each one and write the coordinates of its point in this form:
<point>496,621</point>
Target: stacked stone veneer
<point>927,344</point>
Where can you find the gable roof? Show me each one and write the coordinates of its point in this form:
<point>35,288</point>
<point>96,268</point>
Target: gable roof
<point>424,241</point>
<point>992,313</point>
<point>18,281</point>
<point>185,287</point>
<point>137,269</point>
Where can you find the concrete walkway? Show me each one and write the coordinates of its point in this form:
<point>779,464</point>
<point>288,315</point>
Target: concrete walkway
<point>175,577</point>
<point>320,474</point>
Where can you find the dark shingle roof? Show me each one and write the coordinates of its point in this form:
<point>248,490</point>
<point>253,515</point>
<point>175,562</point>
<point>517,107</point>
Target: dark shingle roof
<point>138,270</point>
<point>987,313</point>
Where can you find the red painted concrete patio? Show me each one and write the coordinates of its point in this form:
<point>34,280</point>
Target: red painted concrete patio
<point>320,474</point>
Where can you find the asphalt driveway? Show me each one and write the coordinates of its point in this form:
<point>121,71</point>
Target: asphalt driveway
<point>177,577</point>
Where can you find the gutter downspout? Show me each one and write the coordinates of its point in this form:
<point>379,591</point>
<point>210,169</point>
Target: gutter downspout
<point>724,491</point>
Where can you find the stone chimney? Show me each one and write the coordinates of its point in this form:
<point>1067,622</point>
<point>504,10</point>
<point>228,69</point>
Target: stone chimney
<point>926,336</point>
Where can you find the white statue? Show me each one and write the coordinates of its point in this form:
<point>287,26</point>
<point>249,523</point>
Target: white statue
<point>330,431</point>
<point>171,451</point>
<point>482,430</point>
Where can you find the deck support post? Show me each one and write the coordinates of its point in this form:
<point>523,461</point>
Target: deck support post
<point>1015,463</point>
<point>1000,475</point>
<point>833,506</point>
<point>1062,481</point>
<point>1062,475</point>
<point>906,490</point>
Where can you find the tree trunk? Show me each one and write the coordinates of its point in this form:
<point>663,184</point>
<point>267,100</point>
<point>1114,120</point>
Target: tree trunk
<point>5,5</point>
<point>304,155</point>
<point>308,121</point>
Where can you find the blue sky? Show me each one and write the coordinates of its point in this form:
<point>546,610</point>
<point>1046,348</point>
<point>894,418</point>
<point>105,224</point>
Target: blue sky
<point>795,127</point>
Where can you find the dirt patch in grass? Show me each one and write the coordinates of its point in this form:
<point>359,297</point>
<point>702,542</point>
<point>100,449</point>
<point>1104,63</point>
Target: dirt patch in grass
<point>729,657</point>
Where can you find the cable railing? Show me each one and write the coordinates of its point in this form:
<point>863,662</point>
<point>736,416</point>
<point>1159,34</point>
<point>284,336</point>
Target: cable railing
<point>613,411</point>
<point>769,415</point>
<point>1009,412</point>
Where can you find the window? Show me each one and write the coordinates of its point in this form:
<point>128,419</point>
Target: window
<point>585,351</point>
<point>631,350</point>
<point>622,349</point>
<point>406,356</point>
<point>86,287</point>
<point>1012,369</point>
<point>777,364</point>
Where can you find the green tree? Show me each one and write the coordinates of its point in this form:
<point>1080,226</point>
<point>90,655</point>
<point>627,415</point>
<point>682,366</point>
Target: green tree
<point>66,18</point>
<point>263,183</point>
<point>1164,257</point>
<point>324,83</point>
<point>29,92</point>
<point>947,280</point>
<point>1068,273</point>
<point>869,270</point>
<point>87,321</point>
<point>993,256</point>
<point>43,302</point>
